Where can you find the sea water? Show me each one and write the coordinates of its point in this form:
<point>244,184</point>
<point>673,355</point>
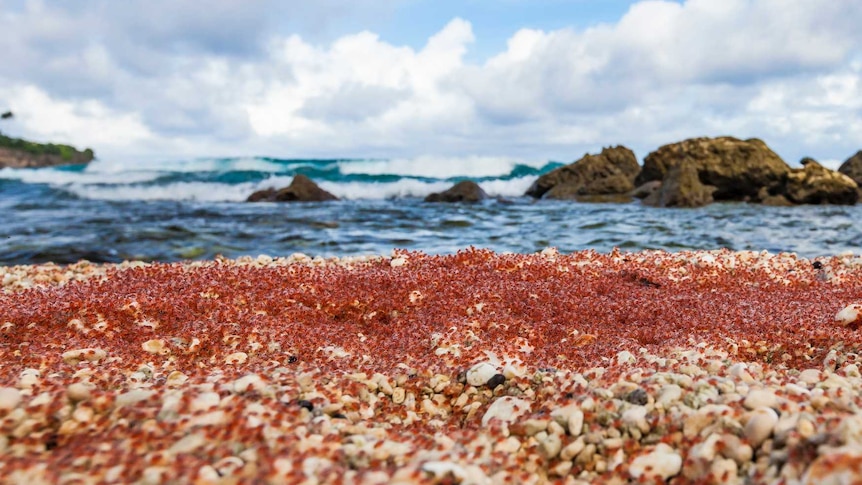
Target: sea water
<point>109,211</point>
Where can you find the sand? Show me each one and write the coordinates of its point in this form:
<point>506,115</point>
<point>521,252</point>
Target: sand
<point>707,367</point>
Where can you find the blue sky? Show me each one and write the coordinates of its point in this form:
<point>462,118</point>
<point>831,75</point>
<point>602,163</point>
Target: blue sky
<point>529,80</point>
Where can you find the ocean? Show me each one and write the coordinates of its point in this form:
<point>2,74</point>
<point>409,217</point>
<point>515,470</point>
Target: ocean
<point>110,211</point>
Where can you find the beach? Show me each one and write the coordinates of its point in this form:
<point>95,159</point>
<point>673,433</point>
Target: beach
<point>476,367</point>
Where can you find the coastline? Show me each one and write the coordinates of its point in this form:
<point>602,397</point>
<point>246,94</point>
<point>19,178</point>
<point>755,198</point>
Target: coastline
<point>475,368</point>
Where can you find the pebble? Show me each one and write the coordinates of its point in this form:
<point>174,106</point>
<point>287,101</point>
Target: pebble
<point>156,346</point>
<point>570,417</point>
<point>480,374</point>
<point>759,398</point>
<point>850,316</point>
<point>662,463</point>
<point>132,397</point>
<point>236,358</point>
<point>506,409</point>
<point>760,425</point>
<point>73,357</point>
<point>810,376</point>
<point>10,398</point>
<point>79,391</point>
<point>635,418</point>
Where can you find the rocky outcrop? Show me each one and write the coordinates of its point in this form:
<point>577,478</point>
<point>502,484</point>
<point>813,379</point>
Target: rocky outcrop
<point>15,158</point>
<point>464,191</point>
<point>852,167</point>
<point>681,187</point>
<point>738,169</point>
<point>612,172</point>
<point>816,184</point>
<point>301,189</point>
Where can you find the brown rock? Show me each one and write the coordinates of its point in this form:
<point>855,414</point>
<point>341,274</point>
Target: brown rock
<point>301,189</point>
<point>645,190</point>
<point>738,169</point>
<point>464,191</point>
<point>611,172</point>
<point>816,184</point>
<point>852,167</point>
<point>681,187</point>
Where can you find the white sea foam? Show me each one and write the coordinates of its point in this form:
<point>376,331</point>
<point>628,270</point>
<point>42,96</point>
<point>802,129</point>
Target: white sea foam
<point>190,166</point>
<point>61,178</point>
<point>437,167</point>
<point>188,191</point>
<point>416,188</point>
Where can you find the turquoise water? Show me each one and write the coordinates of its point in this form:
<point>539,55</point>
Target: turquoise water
<point>194,209</point>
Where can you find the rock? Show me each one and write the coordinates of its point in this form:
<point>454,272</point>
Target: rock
<point>850,316</point>
<point>506,409</point>
<point>570,417</point>
<point>645,190</point>
<point>480,374</point>
<point>681,187</point>
<point>852,167</point>
<point>760,425</point>
<point>301,189</point>
<point>463,191</point>
<point>839,466</point>
<point>661,463</point>
<point>816,184</point>
<point>758,398</point>
<point>10,398</point>
<point>738,169</point>
<point>612,172</point>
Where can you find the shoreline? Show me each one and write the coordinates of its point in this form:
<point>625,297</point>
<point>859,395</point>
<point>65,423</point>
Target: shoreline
<point>475,367</point>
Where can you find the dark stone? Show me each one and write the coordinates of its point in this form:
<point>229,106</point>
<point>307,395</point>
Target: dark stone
<point>496,380</point>
<point>301,189</point>
<point>816,184</point>
<point>464,191</point>
<point>681,187</point>
<point>817,265</point>
<point>738,169</point>
<point>305,404</point>
<point>611,172</point>
<point>637,396</point>
<point>292,359</point>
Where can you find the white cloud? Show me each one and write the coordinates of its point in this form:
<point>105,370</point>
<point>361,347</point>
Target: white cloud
<point>175,78</point>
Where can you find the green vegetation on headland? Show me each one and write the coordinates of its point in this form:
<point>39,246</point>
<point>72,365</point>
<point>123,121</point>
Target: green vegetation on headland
<point>65,152</point>
<point>20,153</point>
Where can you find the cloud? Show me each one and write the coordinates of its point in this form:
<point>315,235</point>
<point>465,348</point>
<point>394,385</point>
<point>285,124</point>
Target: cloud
<point>265,77</point>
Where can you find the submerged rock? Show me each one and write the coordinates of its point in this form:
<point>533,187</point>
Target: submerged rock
<point>301,189</point>
<point>612,172</point>
<point>464,191</point>
<point>738,169</point>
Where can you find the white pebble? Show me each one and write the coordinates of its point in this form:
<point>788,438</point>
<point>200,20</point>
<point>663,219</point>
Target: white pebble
<point>462,473</point>
<point>9,398</point>
<point>571,417</point>
<point>133,397</point>
<point>156,346</point>
<point>635,417</point>
<point>397,262</point>
<point>506,409</point>
<point>663,462</point>
<point>810,376</point>
<point>759,398</point>
<point>72,357</point>
<point>236,358</point>
<point>851,315</point>
<point>760,425</point>
<point>248,382</point>
<point>480,374</point>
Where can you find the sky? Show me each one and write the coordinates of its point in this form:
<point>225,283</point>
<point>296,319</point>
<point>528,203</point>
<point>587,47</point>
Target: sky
<point>527,79</point>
